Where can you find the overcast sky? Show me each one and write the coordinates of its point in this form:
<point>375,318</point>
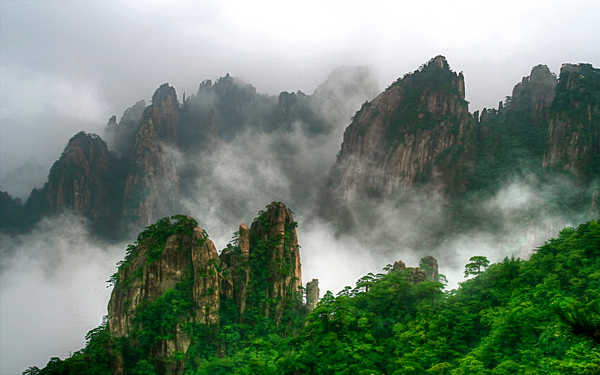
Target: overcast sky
<point>69,65</point>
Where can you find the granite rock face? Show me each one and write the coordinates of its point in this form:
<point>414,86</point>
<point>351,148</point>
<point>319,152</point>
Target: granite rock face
<point>573,142</point>
<point>121,136</point>
<point>189,259</point>
<point>152,181</point>
<point>430,266</point>
<point>535,94</point>
<point>417,132</point>
<point>173,263</point>
<point>86,179</point>
<point>312,294</point>
<point>427,270</point>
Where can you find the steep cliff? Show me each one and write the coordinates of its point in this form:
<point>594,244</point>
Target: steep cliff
<point>87,179</point>
<point>512,139</point>
<point>152,182</point>
<point>573,143</point>
<point>264,265</point>
<point>174,295</point>
<point>121,136</point>
<point>417,132</point>
<point>274,246</point>
<point>168,282</point>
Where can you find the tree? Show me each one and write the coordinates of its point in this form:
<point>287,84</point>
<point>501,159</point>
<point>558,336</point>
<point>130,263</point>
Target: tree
<point>476,265</point>
<point>33,370</point>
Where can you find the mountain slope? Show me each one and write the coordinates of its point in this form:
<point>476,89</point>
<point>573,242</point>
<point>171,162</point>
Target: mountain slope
<point>540,315</point>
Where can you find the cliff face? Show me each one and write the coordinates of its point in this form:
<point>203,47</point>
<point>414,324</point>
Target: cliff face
<point>427,270</point>
<point>152,181</point>
<point>121,136</point>
<point>274,246</point>
<point>170,275</point>
<point>86,179</point>
<point>418,131</point>
<point>534,94</point>
<point>573,143</point>
<point>265,264</point>
<point>174,291</point>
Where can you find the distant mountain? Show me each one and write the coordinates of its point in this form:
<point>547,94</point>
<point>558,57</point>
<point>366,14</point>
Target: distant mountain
<point>417,142</point>
<point>414,142</point>
<point>149,167</point>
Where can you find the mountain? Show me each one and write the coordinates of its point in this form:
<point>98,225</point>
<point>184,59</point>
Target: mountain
<point>149,164</point>
<point>175,295</point>
<point>416,149</point>
<point>412,146</point>
<point>173,310</point>
<point>151,184</point>
<point>88,180</point>
<point>573,142</point>
<point>417,132</point>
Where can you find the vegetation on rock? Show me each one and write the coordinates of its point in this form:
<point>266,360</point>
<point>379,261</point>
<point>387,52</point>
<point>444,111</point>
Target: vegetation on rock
<point>540,316</point>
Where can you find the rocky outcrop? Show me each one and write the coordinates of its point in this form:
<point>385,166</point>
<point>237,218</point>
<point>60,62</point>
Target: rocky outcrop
<point>152,183</point>
<point>174,284</point>
<point>573,143</point>
<point>430,266</point>
<point>312,294</point>
<point>427,270</point>
<point>87,179</point>
<point>172,265</point>
<point>417,132</point>
<point>121,136</point>
<point>265,265</point>
<point>237,277</point>
<point>534,94</point>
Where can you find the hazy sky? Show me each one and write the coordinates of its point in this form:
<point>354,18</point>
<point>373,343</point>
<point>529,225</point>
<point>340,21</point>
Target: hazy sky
<point>69,65</point>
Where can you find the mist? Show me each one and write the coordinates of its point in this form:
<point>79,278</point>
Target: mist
<point>69,67</point>
<point>53,291</point>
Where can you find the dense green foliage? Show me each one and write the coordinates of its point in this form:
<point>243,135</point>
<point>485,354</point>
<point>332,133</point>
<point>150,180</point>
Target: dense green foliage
<point>540,316</point>
<point>154,238</point>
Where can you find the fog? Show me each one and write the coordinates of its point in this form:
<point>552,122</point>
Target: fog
<point>69,67</point>
<point>53,291</point>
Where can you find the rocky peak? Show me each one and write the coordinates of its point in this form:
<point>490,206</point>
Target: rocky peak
<point>535,93</point>
<point>121,137</point>
<point>165,112</point>
<point>111,125</point>
<point>430,266</point>
<point>312,294</point>
<point>87,178</point>
<point>274,246</point>
<point>418,131</point>
<point>439,61</point>
<point>168,282</point>
<point>151,186</point>
<point>573,133</point>
<point>173,284</point>
<point>427,270</point>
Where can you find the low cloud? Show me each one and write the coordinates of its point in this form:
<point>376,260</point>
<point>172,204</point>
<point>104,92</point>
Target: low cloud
<point>52,291</point>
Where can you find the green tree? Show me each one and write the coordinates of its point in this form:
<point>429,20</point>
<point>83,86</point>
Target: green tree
<point>476,265</point>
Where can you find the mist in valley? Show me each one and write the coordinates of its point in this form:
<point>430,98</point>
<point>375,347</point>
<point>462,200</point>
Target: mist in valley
<point>70,67</point>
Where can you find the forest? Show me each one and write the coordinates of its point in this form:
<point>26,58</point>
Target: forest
<point>535,316</point>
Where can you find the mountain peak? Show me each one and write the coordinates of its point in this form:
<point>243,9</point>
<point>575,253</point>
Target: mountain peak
<point>440,61</point>
<point>163,93</point>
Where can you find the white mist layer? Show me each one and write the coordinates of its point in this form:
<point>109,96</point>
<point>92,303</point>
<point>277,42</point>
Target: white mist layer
<point>52,292</point>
